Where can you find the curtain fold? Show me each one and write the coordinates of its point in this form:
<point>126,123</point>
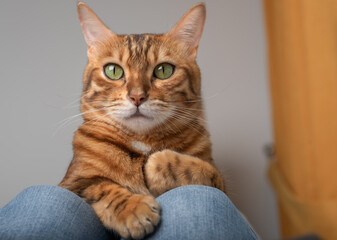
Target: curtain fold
<point>302,46</point>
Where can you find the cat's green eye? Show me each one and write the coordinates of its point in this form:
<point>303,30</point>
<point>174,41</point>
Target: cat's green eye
<point>113,71</point>
<point>163,71</point>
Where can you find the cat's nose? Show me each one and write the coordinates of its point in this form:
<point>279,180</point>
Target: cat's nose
<point>138,99</point>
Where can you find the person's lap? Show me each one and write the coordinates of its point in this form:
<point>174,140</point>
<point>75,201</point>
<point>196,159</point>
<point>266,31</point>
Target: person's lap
<point>189,212</point>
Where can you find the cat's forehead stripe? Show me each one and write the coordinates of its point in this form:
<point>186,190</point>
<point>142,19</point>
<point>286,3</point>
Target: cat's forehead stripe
<point>138,38</point>
<point>138,46</point>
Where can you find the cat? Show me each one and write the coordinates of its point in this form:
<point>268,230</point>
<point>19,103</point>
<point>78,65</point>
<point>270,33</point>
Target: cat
<point>144,131</point>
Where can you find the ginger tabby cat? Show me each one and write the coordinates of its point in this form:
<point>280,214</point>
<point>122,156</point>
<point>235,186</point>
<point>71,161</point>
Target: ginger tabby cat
<point>143,131</point>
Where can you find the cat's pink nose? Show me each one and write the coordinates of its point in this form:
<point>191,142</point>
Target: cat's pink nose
<point>138,99</point>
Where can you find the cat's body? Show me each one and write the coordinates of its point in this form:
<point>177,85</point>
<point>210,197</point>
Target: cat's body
<point>143,132</point>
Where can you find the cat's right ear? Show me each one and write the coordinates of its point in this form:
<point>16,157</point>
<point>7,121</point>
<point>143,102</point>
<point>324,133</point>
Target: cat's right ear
<point>93,29</point>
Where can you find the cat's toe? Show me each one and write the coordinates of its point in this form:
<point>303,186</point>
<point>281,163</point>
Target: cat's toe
<point>142,217</point>
<point>135,227</point>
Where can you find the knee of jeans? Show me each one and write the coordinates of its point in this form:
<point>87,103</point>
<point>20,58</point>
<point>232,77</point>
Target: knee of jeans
<point>47,193</point>
<point>45,189</point>
<point>44,200</point>
<point>189,192</point>
<point>54,196</point>
<point>205,208</point>
<point>50,212</point>
<point>200,198</point>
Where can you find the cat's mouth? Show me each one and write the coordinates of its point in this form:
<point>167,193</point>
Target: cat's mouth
<point>138,115</point>
<point>140,119</point>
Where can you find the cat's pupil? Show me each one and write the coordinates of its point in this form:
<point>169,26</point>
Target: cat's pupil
<point>112,68</point>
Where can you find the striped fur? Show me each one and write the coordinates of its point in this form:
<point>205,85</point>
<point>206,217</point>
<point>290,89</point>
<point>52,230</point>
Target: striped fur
<point>120,163</point>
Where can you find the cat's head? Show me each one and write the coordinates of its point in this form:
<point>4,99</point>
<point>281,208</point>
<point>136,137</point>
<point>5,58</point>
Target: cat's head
<point>142,81</point>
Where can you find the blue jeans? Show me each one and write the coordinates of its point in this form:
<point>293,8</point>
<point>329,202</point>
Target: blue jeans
<point>189,212</point>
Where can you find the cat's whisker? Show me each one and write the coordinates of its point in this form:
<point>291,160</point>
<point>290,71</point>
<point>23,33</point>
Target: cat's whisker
<point>192,126</point>
<point>117,125</point>
<point>111,105</point>
<point>68,120</point>
<point>96,119</point>
<point>92,122</point>
<point>183,101</point>
<point>175,126</point>
<point>187,120</point>
<point>111,122</point>
<point>195,100</point>
<point>80,93</point>
<point>189,115</point>
<point>159,125</point>
<point>186,108</point>
<point>64,124</point>
<point>71,97</point>
<point>212,96</point>
<point>190,112</point>
<point>170,129</point>
<point>83,95</point>
<point>189,123</point>
<point>77,99</point>
<point>83,113</point>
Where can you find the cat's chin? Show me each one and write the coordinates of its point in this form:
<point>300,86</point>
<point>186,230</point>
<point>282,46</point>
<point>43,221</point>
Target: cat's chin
<point>139,123</point>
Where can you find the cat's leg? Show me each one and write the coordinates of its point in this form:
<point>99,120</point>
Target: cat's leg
<point>167,169</point>
<point>129,214</point>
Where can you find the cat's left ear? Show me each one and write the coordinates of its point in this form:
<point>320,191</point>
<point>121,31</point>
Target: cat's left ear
<point>189,29</point>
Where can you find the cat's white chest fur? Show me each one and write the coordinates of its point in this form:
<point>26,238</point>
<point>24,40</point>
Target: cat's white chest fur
<point>140,147</point>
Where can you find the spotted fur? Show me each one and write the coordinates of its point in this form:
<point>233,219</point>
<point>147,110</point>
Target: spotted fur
<point>121,162</point>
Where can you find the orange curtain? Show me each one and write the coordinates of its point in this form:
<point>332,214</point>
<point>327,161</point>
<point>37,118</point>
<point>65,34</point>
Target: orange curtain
<point>302,44</point>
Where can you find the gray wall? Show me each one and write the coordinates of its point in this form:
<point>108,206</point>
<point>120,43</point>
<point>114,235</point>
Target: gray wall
<point>42,57</point>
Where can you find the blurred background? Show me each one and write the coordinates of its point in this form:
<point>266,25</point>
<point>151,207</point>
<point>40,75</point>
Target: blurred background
<point>43,55</point>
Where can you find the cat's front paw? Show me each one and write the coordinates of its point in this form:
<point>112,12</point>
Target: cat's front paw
<point>168,169</point>
<point>161,171</point>
<point>138,217</point>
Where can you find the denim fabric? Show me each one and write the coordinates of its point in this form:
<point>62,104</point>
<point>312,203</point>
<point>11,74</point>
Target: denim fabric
<point>200,212</point>
<point>48,213</point>
<point>189,212</point>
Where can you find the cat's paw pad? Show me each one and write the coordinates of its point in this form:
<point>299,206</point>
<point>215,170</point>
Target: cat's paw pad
<point>139,217</point>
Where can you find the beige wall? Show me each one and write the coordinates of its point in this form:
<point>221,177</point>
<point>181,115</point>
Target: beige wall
<point>42,57</point>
